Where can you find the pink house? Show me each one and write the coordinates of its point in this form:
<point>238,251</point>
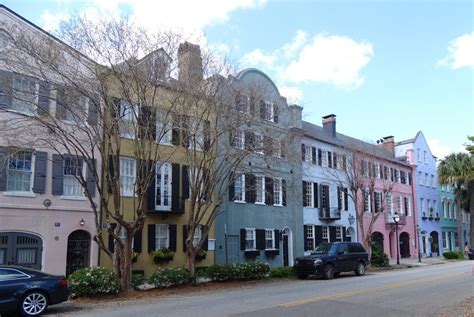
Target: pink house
<point>393,194</point>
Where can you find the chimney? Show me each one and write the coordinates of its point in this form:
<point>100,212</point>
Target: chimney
<point>388,143</point>
<point>329,125</point>
<point>189,63</point>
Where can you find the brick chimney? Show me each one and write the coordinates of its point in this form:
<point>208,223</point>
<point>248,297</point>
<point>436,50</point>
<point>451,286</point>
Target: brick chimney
<point>329,125</point>
<point>388,143</point>
<point>189,63</point>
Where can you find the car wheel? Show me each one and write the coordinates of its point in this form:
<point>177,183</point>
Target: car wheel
<point>302,276</point>
<point>33,304</point>
<point>360,270</point>
<point>328,272</point>
<point>337,274</point>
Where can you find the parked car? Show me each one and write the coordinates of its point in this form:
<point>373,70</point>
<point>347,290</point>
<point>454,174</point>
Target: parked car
<point>330,259</point>
<point>470,255</point>
<point>29,292</point>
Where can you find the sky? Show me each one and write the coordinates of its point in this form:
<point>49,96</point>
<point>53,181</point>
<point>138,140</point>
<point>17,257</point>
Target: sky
<point>383,67</point>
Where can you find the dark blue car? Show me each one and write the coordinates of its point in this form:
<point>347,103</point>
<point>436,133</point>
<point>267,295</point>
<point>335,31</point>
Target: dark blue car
<point>28,291</point>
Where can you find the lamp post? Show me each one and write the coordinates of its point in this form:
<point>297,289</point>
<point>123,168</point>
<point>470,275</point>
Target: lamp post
<point>396,219</point>
<point>418,230</point>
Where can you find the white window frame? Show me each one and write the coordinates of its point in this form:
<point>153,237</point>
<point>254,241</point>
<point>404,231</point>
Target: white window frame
<point>162,232</point>
<point>408,209</point>
<point>272,233</point>
<point>325,234</point>
<point>127,123</point>
<point>367,201</point>
<point>259,189</point>
<point>83,111</point>
<point>276,148</point>
<point>339,233</point>
<point>309,191</point>
<point>308,153</point>
<point>389,202</point>
<point>420,176</point>
<point>164,130</point>
<point>164,188</point>
<point>20,101</point>
<point>73,181</point>
<point>31,172</point>
<point>240,197</point>
<point>269,111</point>
<point>324,158</point>
<point>128,176</point>
<point>239,139</point>
<point>197,235</point>
<point>258,143</point>
<point>310,235</point>
<point>277,192</point>
<point>400,205</point>
<point>252,237</point>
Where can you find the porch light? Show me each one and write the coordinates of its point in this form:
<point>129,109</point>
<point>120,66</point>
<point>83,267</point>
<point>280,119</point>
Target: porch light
<point>351,219</point>
<point>82,222</point>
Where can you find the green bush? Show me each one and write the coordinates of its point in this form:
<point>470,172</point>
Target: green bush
<point>137,280</point>
<point>169,277</point>
<point>281,272</point>
<point>378,257</point>
<point>453,255</point>
<point>240,271</point>
<point>92,281</point>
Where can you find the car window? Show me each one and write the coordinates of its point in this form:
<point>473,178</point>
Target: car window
<point>343,248</point>
<point>322,248</point>
<point>10,274</point>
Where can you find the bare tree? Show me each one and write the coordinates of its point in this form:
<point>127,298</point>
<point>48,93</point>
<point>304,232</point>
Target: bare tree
<point>103,98</point>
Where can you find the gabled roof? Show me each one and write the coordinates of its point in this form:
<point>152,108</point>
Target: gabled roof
<point>316,132</point>
<point>408,141</point>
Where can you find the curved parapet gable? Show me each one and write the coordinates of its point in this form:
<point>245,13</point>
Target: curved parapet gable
<point>255,79</point>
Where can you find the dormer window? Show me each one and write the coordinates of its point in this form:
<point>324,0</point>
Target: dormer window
<point>267,111</point>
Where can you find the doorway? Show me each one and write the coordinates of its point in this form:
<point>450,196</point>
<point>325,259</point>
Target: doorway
<point>23,249</point>
<point>404,245</point>
<point>78,251</point>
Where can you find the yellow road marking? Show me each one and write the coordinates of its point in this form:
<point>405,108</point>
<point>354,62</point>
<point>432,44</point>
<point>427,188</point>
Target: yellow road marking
<point>371,290</point>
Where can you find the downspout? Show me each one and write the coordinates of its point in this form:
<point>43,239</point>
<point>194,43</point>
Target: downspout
<point>415,215</point>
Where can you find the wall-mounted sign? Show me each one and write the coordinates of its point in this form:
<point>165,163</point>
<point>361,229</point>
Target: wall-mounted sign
<point>57,224</point>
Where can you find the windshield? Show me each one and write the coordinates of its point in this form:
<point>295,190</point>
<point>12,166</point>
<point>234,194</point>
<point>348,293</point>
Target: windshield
<point>324,248</point>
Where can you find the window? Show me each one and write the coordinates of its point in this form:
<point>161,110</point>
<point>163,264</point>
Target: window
<point>325,160</point>
<point>422,205</point>
<point>424,156</point>
<point>388,197</point>
<point>418,155</point>
<point>73,168</point>
<point>277,192</point>
<point>277,148</point>
<point>325,234</point>
<point>164,129</point>
<point>426,179</point>
<point>407,206</point>
<point>195,133</point>
<point>341,198</point>
<point>428,205</point>
<point>420,177</point>
<point>377,170</point>
<point>325,197</point>
<point>128,174</point>
<point>403,177</point>
<point>269,239</point>
<point>25,95</point>
<point>4,40</point>
<point>260,189</point>
<point>399,205</point>
<point>378,201</point>
<point>238,139</point>
<point>242,103</point>
<point>366,201</point>
<point>239,188</point>
<point>432,181</point>
<point>127,122</point>
<point>308,188</point>
<point>258,143</point>
<point>397,176</point>
<point>448,209</point>
<point>267,111</point>
<point>338,233</point>
<point>445,239</point>
<point>307,153</point>
<point>77,110</point>
<point>197,235</point>
<point>388,174</point>
<point>443,207</point>
<point>455,216</point>
<point>435,206</point>
<point>250,243</point>
<point>163,186</point>
<point>365,168</point>
<point>19,172</point>
<point>161,236</point>
<point>309,243</point>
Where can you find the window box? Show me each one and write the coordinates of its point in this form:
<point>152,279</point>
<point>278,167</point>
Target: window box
<point>162,256</point>
<point>134,256</point>
<point>424,217</point>
<point>431,217</point>
<point>201,255</point>
<point>252,253</point>
<point>272,253</point>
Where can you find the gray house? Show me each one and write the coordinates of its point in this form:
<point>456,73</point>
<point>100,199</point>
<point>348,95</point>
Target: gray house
<point>261,219</point>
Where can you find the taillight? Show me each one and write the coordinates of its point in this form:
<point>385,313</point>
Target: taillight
<point>63,281</point>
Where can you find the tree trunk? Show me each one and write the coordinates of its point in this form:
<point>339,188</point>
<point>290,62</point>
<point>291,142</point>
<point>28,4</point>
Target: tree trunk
<point>123,264</point>
<point>459,220</point>
<point>191,252</point>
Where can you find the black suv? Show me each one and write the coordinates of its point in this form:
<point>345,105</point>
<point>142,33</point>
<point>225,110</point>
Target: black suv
<point>330,259</point>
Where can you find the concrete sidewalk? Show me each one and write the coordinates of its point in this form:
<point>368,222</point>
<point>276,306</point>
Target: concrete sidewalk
<point>424,261</point>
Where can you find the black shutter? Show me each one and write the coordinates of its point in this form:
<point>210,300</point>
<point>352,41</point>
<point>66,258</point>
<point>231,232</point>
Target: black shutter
<point>344,166</point>
<point>339,198</point>
<point>334,160</point>
<point>175,195</point>
<point>185,177</point>
<point>329,159</point>
<point>262,109</point>
<point>151,238</point>
<point>307,242</point>
<point>303,152</point>
<point>315,195</point>
<point>57,175</point>
<point>5,89</point>
<point>320,157</point>
<point>151,195</point>
<point>137,241</point>
<point>346,199</point>
<point>277,239</point>
<point>3,165</point>
<point>260,236</point>
<point>318,235</point>
<point>39,182</point>
<point>144,123</point>
<point>111,240</point>
<point>313,155</point>
<point>345,237</point>
<point>269,191</point>
<point>60,103</point>
<point>43,99</point>
<point>90,177</point>
<point>304,194</point>
<point>250,190</point>
<point>93,111</point>
<point>185,236</point>
<point>206,240</point>
<point>243,240</point>
<point>175,131</point>
<point>185,133</point>
<point>409,178</point>
<point>283,189</point>
<point>332,234</point>
<point>275,113</point>
<point>206,184</point>
<point>172,236</point>
<point>392,176</point>
<point>231,187</point>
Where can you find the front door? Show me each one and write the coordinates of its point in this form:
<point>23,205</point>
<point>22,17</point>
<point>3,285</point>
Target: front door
<point>286,260</point>
<point>233,248</point>
<point>78,251</point>
<point>23,249</point>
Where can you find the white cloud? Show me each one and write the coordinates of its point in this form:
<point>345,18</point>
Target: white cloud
<point>258,58</point>
<point>51,21</point>
<point>293,95</point>
<point>440,150</point>
<point>460,52</point>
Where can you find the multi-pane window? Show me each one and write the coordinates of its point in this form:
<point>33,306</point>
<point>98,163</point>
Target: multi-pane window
<point>19,172</point>
<point>407,206</point>
<point>443,207</point>
<point>164,129</point>
<point>72,169</point>
<point>163,186</point>
<point>307,153</point>
<point>389,202</point>
<point>239,187</point>
<point>277,148</point>
<point>77,110</point>
<point>309,237</point>
<point>454,211</point>
<point>338,233</point>
<point>161,236</point>
<point>128,172</point>
<point>268,111</point>
<point>400,205</point>
<point>424,156</point>
<point>25,95</point>
<point>432,180</point>
<point>308,201</point>
<point>448,209</point>
<point>258,143</point>
<point>195,133</point>
<point>259,189</point>
<point>242,103</point>
<point>388,173</point>
<point>325,234</point>
<point>238,139</point>
<point>420,177</point>
<point>366,201</point>
<point>445,240</point>
<point>403,177</point>
<point>426,179</point>
<point>277,192</point>
<point>428,205</point>
<point>378,201</point>
<point>377,170</point>
<point>435,206</point>
<point>365,168</point>
<point>324,159</point>
<point>250,241</point>
<point>127,122</point>
<point>269,239</point>
<point>197,235</point>
<point>325,197</point>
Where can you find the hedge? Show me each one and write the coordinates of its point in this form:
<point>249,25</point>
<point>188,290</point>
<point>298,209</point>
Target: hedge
<point>240,271</point>
<point>453,255</point>
<point>92,281</point>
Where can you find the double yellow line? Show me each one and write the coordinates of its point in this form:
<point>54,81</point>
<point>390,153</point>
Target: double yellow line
<point>371,290</point>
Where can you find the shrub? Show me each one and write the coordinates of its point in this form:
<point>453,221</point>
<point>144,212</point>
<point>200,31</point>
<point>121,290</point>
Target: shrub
<point>241,271</point>
<point>162,255</point>
<point>281,272</point>
<point>137,280</point>
<point>169,277</point>
<point>453,255</point>
<point>92,281</point>
<point>378,257</point>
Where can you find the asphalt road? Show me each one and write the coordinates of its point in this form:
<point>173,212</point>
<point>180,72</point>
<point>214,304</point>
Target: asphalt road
<point>423,291</point>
